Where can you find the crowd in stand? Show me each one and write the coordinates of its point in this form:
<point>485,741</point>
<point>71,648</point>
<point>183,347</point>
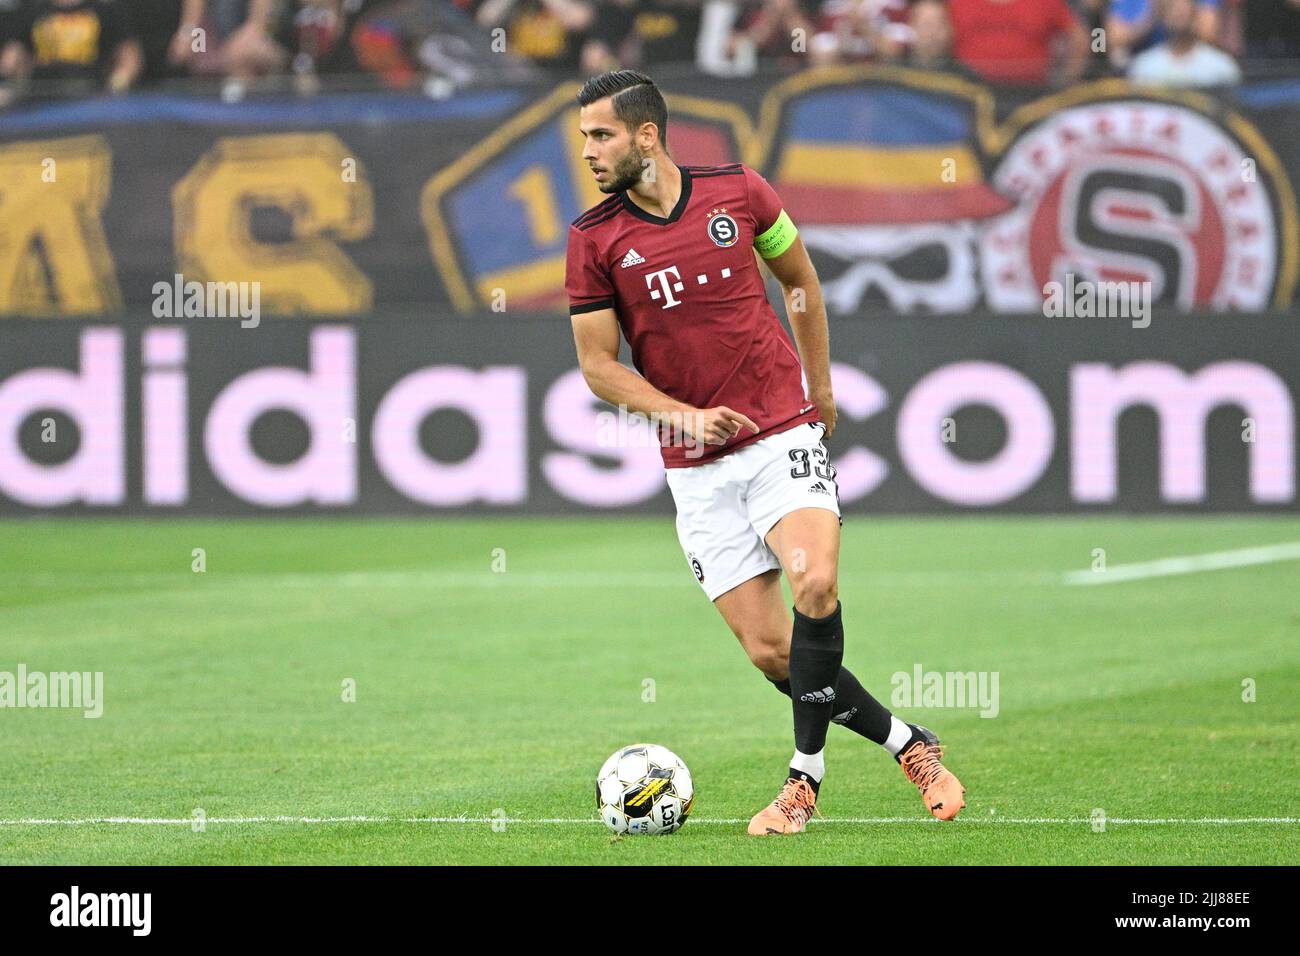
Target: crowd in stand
<point>50,47</point>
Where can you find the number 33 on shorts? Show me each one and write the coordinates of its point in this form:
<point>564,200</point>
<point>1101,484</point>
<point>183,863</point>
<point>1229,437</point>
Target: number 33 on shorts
<point>813,461</point>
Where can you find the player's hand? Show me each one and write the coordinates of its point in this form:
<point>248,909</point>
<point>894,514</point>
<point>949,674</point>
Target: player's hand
<point>825,403</point>
<point>717,426</point>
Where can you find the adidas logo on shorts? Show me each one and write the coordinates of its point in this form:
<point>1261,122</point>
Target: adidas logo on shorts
<point>823,696</point>
<point>819,487</point>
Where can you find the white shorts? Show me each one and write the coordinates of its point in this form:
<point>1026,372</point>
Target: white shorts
<point>726,508</point>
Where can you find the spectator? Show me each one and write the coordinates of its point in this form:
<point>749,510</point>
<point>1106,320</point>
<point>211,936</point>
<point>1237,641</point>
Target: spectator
<point>1092,14</point>
<point>1183,59</point>
<point>930,44</point>
<point>239,42</point>
<point>77,44</point>
<point>407,41</point>
<point>315,34</point>
<point>8,50</point>
<point>8,20</point>
<point>856,31</point>
<point>628,33</point>
<point>548,32</point>
<point>1272,29</point>
<point>1134,25</point>
<point>167,34</point>
<point>1011,41</point>
<point>769,31</point>
<point>311,36</point>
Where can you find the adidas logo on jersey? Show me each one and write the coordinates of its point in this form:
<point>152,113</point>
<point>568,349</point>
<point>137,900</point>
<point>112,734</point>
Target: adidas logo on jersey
<point>819,487</point>
<point>633,258</point>
<point>823,696</point>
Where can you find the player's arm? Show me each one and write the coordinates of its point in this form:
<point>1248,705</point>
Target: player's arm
<point>803,304</point>
<point>596,336</point>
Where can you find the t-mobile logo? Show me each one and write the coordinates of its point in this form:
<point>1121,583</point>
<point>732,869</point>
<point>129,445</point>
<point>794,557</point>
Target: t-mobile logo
<point>665,290</point>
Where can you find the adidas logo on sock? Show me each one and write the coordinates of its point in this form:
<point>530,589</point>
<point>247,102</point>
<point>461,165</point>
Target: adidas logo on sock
<point>823,696</point>
<point>845,717</point>
<point>632,259</point>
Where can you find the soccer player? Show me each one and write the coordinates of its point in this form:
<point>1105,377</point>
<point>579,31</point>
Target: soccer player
<point>667,259</point>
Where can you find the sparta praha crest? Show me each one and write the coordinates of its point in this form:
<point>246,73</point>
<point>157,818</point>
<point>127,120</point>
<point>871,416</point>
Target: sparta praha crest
<point>644,788</point>
<point>1133,190</point>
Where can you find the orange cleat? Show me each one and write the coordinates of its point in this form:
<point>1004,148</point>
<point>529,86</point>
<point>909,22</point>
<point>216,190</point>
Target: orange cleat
<point>788,813</point>
<point>941,791</point>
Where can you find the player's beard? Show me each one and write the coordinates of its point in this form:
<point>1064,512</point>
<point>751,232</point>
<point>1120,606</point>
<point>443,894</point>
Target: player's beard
<point>626,173</point>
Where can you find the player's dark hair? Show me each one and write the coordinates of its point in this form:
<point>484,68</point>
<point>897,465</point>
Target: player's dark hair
<point>636,99</point>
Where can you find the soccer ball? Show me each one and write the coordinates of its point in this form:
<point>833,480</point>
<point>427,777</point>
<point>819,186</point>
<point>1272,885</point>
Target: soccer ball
<point>644,788</point>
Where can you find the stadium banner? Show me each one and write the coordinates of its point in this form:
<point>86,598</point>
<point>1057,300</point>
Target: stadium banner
<point>408,415</point>
<point>915,192</point>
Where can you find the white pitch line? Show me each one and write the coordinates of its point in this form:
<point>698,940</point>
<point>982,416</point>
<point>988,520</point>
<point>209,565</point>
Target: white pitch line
<point>482,579</point>
<point>1188,564</point>
<point>568,821</point>
<point>596,578</point>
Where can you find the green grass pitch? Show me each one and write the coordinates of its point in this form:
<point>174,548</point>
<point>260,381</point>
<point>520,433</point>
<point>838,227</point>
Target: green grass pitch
<point>483,693</point>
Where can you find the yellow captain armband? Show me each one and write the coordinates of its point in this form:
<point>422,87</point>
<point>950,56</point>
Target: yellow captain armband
<point>777,239</point>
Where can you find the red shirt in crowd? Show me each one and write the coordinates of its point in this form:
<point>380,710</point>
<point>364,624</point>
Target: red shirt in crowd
<point>1008,42</point>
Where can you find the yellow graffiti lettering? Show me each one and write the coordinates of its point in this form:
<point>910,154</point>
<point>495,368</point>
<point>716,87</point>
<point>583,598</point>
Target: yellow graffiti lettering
<point>54,256</point>
<point>296,174</point>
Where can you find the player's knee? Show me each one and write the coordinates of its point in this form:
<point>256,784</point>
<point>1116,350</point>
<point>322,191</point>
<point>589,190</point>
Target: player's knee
<point>815,593</point>
<point>772,659</point>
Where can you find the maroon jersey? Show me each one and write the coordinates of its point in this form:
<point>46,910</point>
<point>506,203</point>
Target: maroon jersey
<point>689,297</point>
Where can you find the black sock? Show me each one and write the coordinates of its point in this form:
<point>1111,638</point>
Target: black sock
<point>858,710</point>
<point>783,685</point>
<point>854,707</point>
<point>816,650</point>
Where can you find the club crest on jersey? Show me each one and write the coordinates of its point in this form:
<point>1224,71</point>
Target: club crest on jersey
<point>722,228</point>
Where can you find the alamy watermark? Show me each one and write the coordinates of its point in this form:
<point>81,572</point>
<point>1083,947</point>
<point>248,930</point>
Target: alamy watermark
<point>76,690</point>
<point>922,688</point>
<point>628,429</point>
<point>1086,299</point>
<point>129,910</point>
<point>179,299</point>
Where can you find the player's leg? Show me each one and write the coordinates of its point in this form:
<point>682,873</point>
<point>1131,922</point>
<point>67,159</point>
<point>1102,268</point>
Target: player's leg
<point>815,650</point>
<point>807,543</point>
<point>737,570</point>
<point>740,574</point>
<point>792,507</point>
<point>756,613</point>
